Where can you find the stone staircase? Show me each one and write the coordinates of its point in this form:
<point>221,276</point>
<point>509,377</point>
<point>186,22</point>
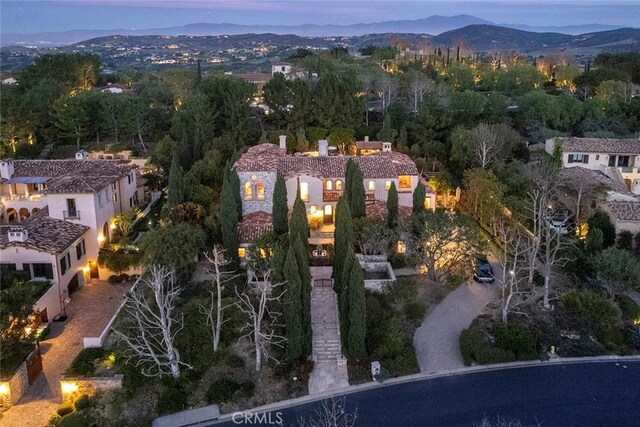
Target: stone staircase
<point>330,369</point>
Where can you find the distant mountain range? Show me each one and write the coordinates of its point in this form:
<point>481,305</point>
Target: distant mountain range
<point>433,25</point>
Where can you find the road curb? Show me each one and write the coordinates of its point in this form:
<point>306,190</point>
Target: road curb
<point>426,376</point>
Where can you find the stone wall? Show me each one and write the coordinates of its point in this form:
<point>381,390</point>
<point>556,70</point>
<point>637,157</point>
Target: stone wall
<point>376,263</point>
<point>14,387</point>
<point>268,179</point>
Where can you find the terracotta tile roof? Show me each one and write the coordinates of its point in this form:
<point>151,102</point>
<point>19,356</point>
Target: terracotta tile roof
<point>269,157</point>
<point>378,210</point>
<point>44,233</point>
<point>592,178</point>
<point>254,225</point>
<point>73,176</point>
<point>600,145</point>
<point>369,145</point>
<point>625,211</point>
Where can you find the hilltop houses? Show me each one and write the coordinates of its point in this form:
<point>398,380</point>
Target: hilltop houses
<point>321,180</point>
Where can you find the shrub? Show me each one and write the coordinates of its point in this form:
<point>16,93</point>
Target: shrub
<point>65,408</point>
<point>488,355</point>
<point>223,390</point>
<point>83,402</point>
<point>415,311</point>
<point>235,361</point>
<point>74,419</point>
<point>630,310</point>
<point>403,289</point>
<point>398,260</point>
<point>54,421</point>
<point>171,399</point>
<point>470,341</point>
<point>595,311</point>
<point>625,240</point>
<point>84,365</point>
<point>516,338</point>
<point>601,220</point>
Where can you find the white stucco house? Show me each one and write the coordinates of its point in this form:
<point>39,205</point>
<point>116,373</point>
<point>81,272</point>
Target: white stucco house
<point>321,178</point>
<point>617,158</point>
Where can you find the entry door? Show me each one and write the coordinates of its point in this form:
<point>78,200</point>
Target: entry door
<point>34,365</point>
<point>328,214</point>
<point>74,284</point>
<point>93,270</point>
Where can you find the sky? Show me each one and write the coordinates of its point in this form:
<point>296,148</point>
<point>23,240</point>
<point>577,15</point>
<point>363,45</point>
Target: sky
<point>34,16</point>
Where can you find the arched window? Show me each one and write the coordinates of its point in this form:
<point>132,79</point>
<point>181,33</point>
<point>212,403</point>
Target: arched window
<point>247,191</point>
<point>260,190</point>
<point>328,185</point>
<point>339,184</point>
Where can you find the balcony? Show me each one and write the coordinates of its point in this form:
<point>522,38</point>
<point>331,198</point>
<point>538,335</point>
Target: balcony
<point>331,196</point>
<point>71,214</point>
<point>33,197</point>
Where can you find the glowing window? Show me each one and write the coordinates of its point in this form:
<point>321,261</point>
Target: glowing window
<point>260,190</point>
<point>242,252</point>
<point>338,184</point>
<point>372,186</point>
<point>404,181</point>
<point>304,191</point>
<point>313,209</point>
<point>247,190</point>
<point>427,203</point>
<point>328,185</point>
<point>402,247</point>
<point>387,185</point>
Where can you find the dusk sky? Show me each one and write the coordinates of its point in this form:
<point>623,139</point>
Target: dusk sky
<point>29,16</point>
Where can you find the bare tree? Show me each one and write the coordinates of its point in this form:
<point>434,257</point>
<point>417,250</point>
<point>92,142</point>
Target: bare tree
<point>418,85</point>
<point>551,257</point>
<point>214,313</point>
<point>151,323</point>
<point>388,86</point>
<point>488,144</point>
<point>331,413</point>
<point>513,287</point>
<point>495,59</point>
<point>374,238</point>
<point>263,320</point>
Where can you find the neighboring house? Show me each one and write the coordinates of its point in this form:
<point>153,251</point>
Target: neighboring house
<point>48,249</point>
<point>281,67</point>
<point>617,158</point>
<point>116,88</point>
<point>366,147</point>
<point>635,90</point>
<point>625,215</point>
<point>321,179</point>
<point>9,81</point>
<point>83,192</point>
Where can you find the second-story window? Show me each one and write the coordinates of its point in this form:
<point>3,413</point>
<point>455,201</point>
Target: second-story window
<point>404,182</point>
<point>80,250</point>
<point>248,193</point>
<point>338,184</point>
<point>328,185</point>
<point>114,197</point>
<point>304,191</point>
<point>260,190</point>
<point>65,263</point>
<point>114,186</point>
<point>372,186</point>
<point>72,212</point>
<point>387,185</point>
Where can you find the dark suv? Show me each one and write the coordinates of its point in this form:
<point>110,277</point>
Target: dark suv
<point>483,271</point>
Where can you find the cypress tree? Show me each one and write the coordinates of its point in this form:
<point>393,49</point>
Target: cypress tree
<point>419,195</point>
<point>305,294</point>
<point>343,299</point>
<point>298,224</point>
<point>228,217</point>
<point>280,208</point>
<point>343,236</point>
<point>234,181</point>
<point>392,205</point>
<point>176,183</point>
<point>348,180</point>
<point>277,264</point>
<point>357,194</point>
<point>357,314</point>
<point>292,307</point>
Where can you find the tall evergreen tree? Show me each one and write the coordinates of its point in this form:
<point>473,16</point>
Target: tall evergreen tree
<point>392,205</point>
<point>298,223</point>
<point>228,215</point>
<point>419,195</point>
<point>280,208</point>
<point>176,183</point>
<point>234,182</point>
<point>343,237</point>
<point>292,313</point>
<point>343,299</point>
<point>348,181</point>
<point>305,294</point>
<point>357,194</point>
<point>357,314</point>
<point>277,263</point>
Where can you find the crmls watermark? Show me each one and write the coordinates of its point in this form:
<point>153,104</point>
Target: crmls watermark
<point>254,418</point>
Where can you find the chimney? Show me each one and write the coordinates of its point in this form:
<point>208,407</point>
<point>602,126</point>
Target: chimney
<point>283,142</point>
<point>386,147</point>
<point>366,138</point>
<point>6,169</point>
<point>18,234</point>
<point>323,148</point>
<point>82,155</point>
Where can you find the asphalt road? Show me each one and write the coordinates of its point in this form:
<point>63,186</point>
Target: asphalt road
<point>578,394</point>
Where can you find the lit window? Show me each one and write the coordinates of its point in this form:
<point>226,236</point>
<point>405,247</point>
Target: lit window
<point>242,252</point>
<point>247,190</point>
<point>114,197</point>
<point>260,190</point>
<point>304,191</point>
<point>402,247</point>
<point>387,185</point>
<point>372,186</point>
<point>427,203</point>
<point>313,209</point>
<point>339,184</point>
<point>328,185</point>
<point>404,181</point>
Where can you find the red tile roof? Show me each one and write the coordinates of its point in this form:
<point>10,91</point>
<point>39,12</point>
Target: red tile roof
<point>254,226</point>
<point>378,210</point>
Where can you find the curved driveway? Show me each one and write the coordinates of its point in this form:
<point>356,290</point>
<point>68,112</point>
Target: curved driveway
<point>580,394</point>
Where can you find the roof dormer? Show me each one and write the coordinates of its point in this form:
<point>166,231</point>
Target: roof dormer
<point>18,234</point>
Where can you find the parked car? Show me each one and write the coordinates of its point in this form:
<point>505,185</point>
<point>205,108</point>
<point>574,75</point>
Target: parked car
<point>483,271</point>
<point>561,226</point>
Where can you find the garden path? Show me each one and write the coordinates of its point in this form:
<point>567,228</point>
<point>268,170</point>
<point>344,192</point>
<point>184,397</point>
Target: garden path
<point>436,340</point>
<point>89,311</point>
<point>330,368</point>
